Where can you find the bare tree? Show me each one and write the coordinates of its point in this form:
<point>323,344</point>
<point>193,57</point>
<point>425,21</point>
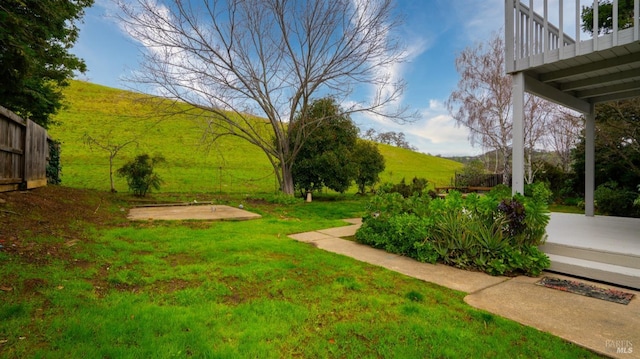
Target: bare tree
<point>563,135</point>
<point>539,115</point>
<point>237,60</point>
<point>482,101</point>
<point>107,144</point>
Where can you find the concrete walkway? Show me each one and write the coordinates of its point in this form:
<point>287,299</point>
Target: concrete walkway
<point>604,327</point>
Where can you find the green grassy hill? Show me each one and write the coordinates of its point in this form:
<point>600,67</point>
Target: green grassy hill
<point>230,165</point>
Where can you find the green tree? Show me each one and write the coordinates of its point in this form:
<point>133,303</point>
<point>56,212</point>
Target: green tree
<point>617,152</point>
<point>325,157</point>
<point>605,16</point>
<point>139,174</point>
<point>470,172</point>
<point>368,162</point>
<point>35,63</point>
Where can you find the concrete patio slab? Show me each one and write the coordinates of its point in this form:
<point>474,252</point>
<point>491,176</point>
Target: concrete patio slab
<point>604,327</point>
<point>206,212</point>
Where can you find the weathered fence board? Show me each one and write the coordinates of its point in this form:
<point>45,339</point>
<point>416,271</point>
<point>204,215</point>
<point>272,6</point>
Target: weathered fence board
<point>23,153</point>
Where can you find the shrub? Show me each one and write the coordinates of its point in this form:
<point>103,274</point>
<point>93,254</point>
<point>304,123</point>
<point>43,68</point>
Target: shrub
<point>496,233</point>
<point>417,186</point>
<point>615,201</point>
<point>139,174</point>
<point>539,191</point>
<point>54,167</point>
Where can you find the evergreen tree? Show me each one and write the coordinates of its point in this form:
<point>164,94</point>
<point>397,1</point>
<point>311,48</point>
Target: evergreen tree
<point>35,63</point>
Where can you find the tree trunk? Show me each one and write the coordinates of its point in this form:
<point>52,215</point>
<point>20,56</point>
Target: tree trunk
<point>286,184</point>
<point>113,189</point>
<point>506,172</point>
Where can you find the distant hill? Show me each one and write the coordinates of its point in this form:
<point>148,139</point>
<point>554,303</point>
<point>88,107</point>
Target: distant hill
<point>113,117</point>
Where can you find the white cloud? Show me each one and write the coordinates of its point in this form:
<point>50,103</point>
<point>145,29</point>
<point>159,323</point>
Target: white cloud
<point>435,132</point>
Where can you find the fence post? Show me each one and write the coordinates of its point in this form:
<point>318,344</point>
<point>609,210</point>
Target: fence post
<point>27,155</point>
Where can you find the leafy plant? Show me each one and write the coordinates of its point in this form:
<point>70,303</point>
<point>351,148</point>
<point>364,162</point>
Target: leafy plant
<point>496,233</point>
<point>615,201</point>
<point>139,174</point>
<point>416,186</point>
<point>54,167</point>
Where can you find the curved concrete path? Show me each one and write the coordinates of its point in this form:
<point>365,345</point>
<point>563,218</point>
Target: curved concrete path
<point>604,327</point>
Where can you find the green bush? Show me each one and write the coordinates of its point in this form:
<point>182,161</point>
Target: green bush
<point>139,174</point>
<point>540,191</point>
<point>416,187</point>
<point>54,167</point>
<point>495,233</point>
<point>615,201</point>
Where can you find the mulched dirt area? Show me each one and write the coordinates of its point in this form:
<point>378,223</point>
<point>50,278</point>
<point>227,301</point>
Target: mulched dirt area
<point>612,295</point>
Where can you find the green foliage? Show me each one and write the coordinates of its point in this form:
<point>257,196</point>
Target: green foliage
<point>139,174</point>
<point>369,164</point>
<point>325,156</point>
<point>495,233</point>
<point>281,198</point>
<point>35,63</point>
<point>617,156</point>
<point>539,191</point>
<point>54,167</point>
<point>416,187</point>
<point>615,201</point>
<point>470,171</point>
<point>605,16</point>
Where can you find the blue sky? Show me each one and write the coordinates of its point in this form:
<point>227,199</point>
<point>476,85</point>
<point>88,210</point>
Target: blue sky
<point>435,32</point>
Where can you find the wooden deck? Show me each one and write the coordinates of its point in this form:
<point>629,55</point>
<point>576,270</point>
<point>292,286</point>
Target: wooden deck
<point>601,248</point>
<point>581,71</point>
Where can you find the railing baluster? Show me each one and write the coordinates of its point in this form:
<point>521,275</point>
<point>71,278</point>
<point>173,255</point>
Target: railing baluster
<point>560,44</point>
<point>636,12</point>
<point>546,32</point>
<point>615,22</point>
<point>596,30</point>
<point>577,12</point>
<point>530,29</point>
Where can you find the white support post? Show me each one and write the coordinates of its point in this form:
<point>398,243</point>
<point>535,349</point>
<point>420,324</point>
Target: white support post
<point>517,160</point>
<point>590,163</point>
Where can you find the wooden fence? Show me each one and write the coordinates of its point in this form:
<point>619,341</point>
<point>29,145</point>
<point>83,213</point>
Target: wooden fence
<point>481,180</point>
<point>24,152</point>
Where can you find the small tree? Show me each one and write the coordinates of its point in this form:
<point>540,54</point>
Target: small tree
<point>369,164</point>
<point>139,174</point>
<point>325,157</point>
<point>106,143</point>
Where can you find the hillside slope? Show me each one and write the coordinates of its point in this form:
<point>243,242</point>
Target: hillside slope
<point>114,117</point>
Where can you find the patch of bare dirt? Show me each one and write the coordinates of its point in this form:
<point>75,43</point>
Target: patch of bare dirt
<point>45,223</point>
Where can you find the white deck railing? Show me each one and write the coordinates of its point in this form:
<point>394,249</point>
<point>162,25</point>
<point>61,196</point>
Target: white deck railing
<point>531,35</point>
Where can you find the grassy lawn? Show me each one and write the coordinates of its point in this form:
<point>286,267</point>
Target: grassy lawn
<point>234,289</point>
